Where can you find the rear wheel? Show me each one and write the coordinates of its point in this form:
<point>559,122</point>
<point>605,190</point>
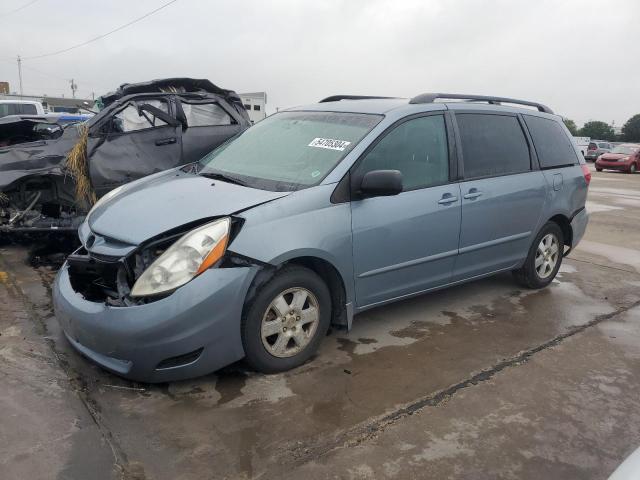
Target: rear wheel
<point>544,258</point>
<point>286,321</point>
<point>598,169</point>
<point>633,168</point>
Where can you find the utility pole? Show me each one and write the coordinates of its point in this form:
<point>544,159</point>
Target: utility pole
<point>74,87</point>
<point>20,74</point>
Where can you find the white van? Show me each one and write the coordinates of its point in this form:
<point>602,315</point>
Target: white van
<point>20,107</point>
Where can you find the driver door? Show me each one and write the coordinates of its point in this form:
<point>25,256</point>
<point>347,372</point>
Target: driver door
<point>407,243</point>
<point>140,139</point>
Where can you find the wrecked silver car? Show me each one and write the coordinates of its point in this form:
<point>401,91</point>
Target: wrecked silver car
<point>50,183</point>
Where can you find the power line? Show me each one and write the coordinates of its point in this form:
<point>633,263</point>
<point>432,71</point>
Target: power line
<point>18,9</point>
<point>57,52</point>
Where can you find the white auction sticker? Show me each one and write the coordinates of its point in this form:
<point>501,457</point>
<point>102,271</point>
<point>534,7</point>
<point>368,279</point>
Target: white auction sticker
<point>329,143</point>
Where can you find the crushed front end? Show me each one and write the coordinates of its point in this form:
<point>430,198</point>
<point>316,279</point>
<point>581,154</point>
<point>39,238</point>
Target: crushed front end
<point>189,332</point>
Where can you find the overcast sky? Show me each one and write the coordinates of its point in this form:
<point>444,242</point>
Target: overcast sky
<point>579,57</point>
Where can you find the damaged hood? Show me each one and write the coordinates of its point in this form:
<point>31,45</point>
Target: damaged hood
<point>156,204</point>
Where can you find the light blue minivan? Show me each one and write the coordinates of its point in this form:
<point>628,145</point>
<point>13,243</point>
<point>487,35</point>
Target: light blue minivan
<point>311,216</point>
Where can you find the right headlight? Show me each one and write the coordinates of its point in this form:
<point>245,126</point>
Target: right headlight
<point>188,257</point>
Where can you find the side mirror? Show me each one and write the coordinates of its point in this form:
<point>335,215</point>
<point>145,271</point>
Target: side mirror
<point>381,183</point>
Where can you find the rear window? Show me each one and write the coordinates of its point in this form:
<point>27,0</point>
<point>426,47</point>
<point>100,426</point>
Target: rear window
<point>552,145</point>
<point>492,145</point>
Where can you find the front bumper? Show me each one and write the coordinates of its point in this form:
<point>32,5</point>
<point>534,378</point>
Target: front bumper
<point>202,316</point>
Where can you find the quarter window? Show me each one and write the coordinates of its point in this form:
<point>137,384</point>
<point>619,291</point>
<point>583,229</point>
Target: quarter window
<point>492,145</point>
<point>418,148</point>
<point>205,115</point>
<point>552,144</point>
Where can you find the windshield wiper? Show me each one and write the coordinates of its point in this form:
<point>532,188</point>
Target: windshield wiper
<point>223,177</point>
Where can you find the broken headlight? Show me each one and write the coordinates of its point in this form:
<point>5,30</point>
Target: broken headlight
<point>187,258</point>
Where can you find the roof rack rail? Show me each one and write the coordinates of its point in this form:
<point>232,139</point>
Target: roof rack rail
<point>337,98</point>
<point>431,97</point>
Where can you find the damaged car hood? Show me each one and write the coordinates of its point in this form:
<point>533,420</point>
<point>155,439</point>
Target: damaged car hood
<point>152,206</point>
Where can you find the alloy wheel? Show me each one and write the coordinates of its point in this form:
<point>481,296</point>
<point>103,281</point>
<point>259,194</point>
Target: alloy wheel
<point>547,255</point>
<point>290,322</point>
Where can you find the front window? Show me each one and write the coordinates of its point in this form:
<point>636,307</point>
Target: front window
<point>132,118</point>
<point>625,149</point>
<point>289,150</point>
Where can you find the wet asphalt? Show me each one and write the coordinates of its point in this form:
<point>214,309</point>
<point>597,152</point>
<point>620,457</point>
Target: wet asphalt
<point>483,380</point>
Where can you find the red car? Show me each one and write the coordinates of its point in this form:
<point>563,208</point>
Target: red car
<point>624,157</point>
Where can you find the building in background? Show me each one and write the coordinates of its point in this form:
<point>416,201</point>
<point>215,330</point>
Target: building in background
<point>255,103</point>
<point>54,104</point>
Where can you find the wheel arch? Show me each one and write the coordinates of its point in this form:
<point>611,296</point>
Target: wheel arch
<point>342,312</point>
<point>565,225</point>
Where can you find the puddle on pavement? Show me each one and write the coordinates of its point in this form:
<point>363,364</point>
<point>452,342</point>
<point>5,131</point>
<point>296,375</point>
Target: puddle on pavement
<point>595,207</point>
<point>624,331</point>
<point>613,253</point>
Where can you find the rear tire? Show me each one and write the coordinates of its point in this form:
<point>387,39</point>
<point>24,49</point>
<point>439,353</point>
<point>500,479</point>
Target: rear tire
<point>633,168</point>
<point>544,258</point>
<point>598,169</point>
<point>286,320</point>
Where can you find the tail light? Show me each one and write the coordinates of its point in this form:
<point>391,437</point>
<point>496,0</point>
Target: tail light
<point>587,173</point>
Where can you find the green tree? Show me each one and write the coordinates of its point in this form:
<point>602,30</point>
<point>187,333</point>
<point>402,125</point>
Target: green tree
<point>571,125</point>
<point>631,129</point>
<point>598,130</point>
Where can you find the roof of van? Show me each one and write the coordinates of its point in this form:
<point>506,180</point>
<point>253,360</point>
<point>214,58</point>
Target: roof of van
<point>435,101</point>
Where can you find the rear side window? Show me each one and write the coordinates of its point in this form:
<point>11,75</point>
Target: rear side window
<point>492,145</point>
<point>205,115</point>
<point>552,145</point>
<point>28,109</point>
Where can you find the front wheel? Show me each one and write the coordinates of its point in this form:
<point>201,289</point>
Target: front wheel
<point>544,258</point>
<point>633,168</point>
<point>598,169</point>
<point>286,320</point>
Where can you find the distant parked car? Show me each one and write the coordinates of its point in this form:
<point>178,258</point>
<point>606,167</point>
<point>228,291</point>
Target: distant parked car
<point>20,107</point>
<point>625,157</point>
<point>597,148</point>
<point>583,144</point>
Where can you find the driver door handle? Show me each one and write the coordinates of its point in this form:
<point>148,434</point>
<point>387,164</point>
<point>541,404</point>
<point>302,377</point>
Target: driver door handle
<point>166,141</point>
<point>447,198</point>
<point>472,195</point>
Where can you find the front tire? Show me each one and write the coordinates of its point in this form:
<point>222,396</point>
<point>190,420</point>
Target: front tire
<point>633,168</point>
<point>544,258</point>
<point>286,320</point>
<point>598,169</point>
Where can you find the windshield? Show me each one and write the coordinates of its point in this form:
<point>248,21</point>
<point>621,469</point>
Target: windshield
<point>289,150</point>
<point>625,149</point>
